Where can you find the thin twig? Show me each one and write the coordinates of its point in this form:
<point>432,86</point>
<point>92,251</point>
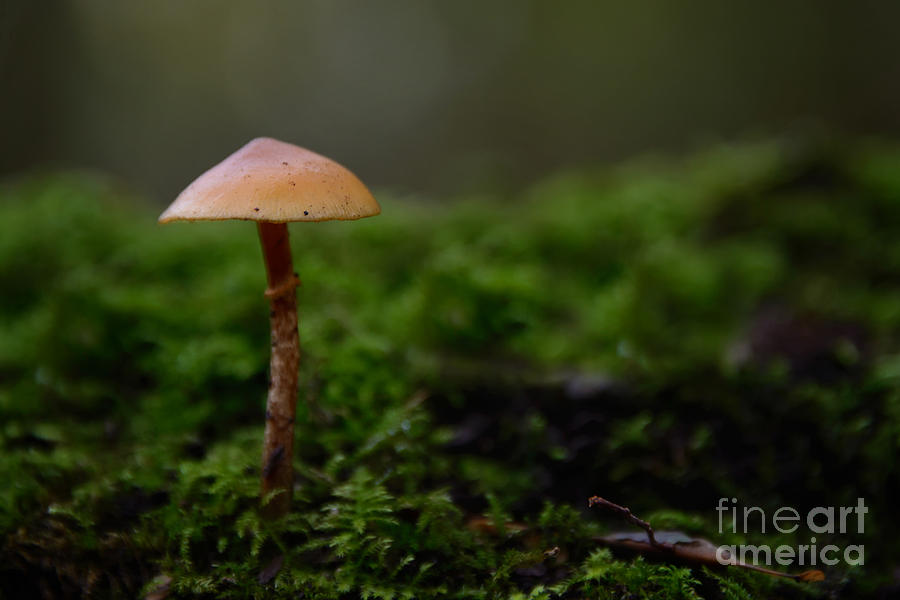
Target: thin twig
<point>631,518</point>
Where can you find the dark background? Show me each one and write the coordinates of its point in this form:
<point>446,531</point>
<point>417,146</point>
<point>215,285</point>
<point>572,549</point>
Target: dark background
<point>432,98</point>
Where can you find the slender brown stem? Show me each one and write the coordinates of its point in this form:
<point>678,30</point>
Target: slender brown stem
<point>278,445</point>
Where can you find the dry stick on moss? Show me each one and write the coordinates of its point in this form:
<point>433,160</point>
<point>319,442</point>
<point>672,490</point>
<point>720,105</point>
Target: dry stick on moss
<point>631,518</point>
<point>697,551</point>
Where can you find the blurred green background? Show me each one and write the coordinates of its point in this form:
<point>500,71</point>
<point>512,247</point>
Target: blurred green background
<point>426,96</point>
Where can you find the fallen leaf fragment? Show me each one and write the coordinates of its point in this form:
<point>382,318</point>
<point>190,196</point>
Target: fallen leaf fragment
<point>678,546</point>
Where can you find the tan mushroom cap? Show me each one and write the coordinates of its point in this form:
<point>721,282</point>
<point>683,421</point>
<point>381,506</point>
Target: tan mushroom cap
<point>276,182</point>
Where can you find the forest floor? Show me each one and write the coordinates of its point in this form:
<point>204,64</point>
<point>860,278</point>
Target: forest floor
<point>664,333</point>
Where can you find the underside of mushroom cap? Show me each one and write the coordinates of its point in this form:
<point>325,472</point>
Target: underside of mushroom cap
<point>273,181</point>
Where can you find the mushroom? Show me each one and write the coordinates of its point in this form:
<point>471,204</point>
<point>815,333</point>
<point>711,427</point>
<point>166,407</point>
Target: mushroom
<point>273,182</point>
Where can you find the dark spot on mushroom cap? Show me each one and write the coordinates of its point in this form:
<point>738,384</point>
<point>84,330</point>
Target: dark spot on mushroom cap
<point>305,212</point>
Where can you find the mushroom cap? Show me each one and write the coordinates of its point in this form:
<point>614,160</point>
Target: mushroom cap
<point>275,182</point>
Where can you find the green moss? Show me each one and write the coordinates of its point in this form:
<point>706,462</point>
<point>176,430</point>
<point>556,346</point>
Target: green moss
<point>439,408</point>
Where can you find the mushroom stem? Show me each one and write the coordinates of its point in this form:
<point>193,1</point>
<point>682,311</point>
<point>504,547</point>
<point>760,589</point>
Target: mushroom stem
<point>278,445</point>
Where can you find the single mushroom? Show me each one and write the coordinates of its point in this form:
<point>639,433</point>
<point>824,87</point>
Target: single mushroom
<point>273,182</point>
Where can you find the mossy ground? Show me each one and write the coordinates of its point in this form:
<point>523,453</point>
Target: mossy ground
<point>662,334</point>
